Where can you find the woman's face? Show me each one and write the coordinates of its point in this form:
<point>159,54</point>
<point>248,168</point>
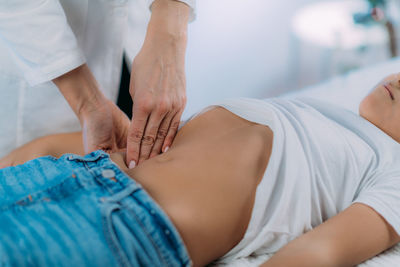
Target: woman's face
<point>382,106</point>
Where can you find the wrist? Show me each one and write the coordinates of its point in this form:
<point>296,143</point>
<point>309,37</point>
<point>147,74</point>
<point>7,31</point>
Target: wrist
<point>169,21</point>
<point>81,90</point>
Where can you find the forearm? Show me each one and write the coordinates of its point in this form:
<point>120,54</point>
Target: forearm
<point>54,145</point>
<point>300,253</point>
<point>51,145</point>
<point>169,18</point>
<point>81,90</point>
<point>167,29</point>
<point>59,144</point>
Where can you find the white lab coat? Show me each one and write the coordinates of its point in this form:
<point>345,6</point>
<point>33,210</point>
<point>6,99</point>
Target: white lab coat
<point>43,39</point>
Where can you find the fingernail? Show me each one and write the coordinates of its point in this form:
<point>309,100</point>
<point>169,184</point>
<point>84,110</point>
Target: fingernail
<point>132,164</point>
<point>166,149</point>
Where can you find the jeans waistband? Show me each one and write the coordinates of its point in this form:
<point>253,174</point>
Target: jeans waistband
<point>105,172</point>
<point>119,185</point>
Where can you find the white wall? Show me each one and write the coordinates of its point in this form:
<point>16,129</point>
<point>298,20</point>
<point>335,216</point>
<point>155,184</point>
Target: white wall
<point>247,48</point>
<point>240,48</point>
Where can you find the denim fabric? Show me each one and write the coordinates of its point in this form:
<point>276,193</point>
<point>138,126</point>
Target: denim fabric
<point>82,211</point>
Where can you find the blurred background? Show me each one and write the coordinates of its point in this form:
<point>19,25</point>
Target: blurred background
<point>258,48</point>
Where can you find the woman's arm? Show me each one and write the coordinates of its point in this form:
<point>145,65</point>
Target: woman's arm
<point>347,239</point>
<point>53,145</point>
<point>59,144</point>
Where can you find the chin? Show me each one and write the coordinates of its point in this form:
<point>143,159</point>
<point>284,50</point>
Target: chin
<point>369,110</point>
<point>364,107</point>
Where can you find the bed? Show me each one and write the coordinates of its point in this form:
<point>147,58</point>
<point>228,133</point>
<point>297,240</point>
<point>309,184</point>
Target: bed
<point>346,91</point>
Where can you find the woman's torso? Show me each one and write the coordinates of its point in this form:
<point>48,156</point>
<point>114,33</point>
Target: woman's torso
<point>322,158</point>
<point>207,180</point>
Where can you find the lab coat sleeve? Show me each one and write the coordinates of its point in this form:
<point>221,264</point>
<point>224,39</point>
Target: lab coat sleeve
<point>190,3</point>
<point>43,44</point>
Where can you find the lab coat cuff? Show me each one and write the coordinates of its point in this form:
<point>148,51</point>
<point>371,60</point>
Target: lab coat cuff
<point>190,3</point>
<point>56,68</point>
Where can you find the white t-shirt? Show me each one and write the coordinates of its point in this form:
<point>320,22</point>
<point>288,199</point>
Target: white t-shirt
<point>324,158</point>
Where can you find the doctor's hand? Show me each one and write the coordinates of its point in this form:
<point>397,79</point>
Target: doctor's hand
<point>158,83</point>
<point>104,125</point>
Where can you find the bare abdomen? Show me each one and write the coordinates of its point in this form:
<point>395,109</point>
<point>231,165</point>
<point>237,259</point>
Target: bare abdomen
<point>207,180</point>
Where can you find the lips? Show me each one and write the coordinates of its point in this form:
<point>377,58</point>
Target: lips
<point>389,91</point>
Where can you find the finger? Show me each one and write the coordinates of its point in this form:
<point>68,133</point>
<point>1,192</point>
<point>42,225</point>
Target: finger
<point>150,135</point>
<point>135,135</point>
<point>173,129</point>
<point>162,134</point>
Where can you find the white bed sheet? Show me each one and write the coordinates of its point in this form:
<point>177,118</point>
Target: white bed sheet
<point>346,91</point>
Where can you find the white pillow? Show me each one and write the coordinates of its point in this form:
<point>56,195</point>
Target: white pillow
<point>348,90</point>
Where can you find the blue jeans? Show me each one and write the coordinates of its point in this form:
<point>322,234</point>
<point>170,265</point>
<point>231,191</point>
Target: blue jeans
<point>82,211</point>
